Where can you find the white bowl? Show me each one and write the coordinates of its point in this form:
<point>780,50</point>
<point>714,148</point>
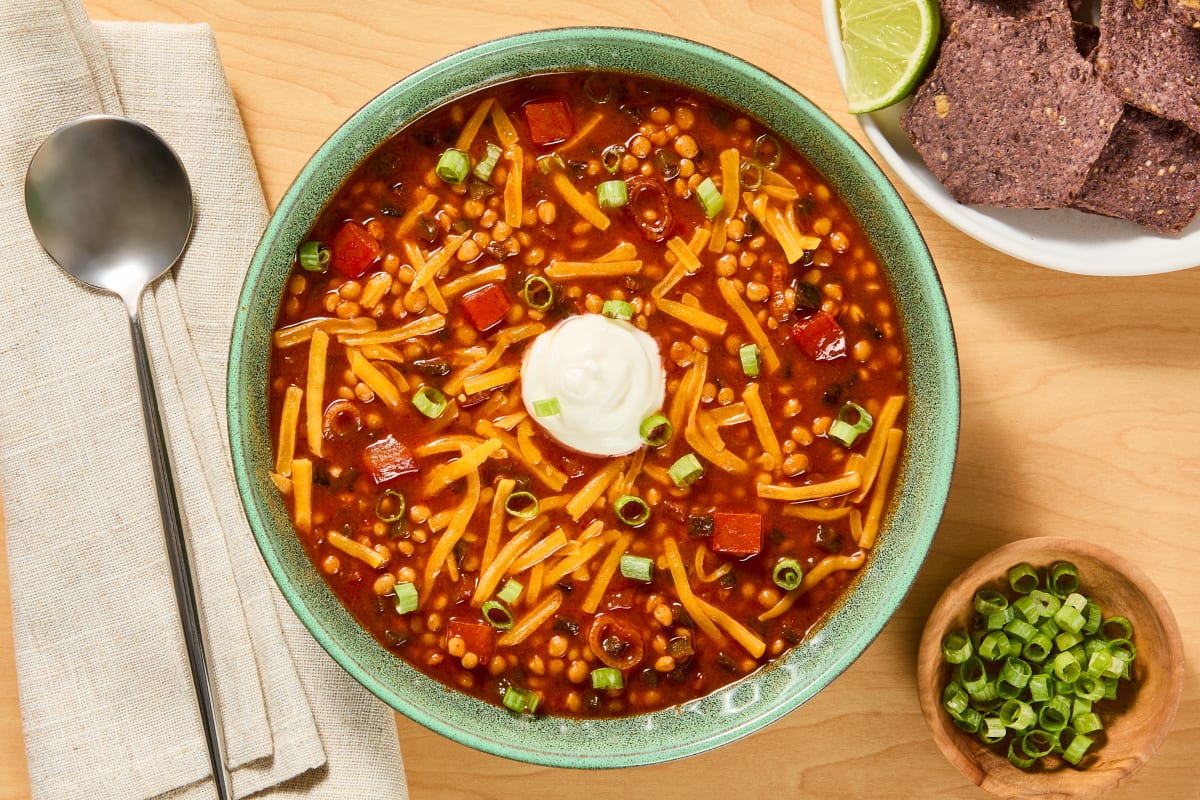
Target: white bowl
<point>1062,239</point>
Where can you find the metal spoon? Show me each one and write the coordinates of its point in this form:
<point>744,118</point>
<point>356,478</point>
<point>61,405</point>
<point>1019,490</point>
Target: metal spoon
<point>111,203</point>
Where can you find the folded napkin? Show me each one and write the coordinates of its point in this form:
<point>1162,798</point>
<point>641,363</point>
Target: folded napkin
<point>106,697</point>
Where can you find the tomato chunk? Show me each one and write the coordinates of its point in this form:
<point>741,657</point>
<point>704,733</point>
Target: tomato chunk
<point>738,534</point>
<point>353,250</point>
<point>549,121</point>
<point>485,306</point>
<point>388,459</point>
<point>820,337</point>
<point>479,637</point>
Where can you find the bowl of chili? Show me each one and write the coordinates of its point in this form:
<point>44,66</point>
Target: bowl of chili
<point>593,398</point>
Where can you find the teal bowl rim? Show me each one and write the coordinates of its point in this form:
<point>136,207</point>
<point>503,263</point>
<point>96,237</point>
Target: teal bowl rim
<point>926,465</point>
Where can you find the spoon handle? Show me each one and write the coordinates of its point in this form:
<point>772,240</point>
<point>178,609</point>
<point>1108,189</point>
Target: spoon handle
<point>177,554</point>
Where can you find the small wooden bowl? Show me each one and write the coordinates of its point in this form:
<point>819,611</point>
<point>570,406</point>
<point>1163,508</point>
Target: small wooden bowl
<point>1132,736</point>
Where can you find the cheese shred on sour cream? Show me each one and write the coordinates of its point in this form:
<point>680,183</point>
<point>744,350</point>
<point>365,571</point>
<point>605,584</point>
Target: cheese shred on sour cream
<point>606,376</point>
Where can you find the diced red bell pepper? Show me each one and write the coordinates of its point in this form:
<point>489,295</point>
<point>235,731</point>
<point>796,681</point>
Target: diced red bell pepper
<point>478,636</point>
<point>820,337</point>
<point>738,534</point>
<point>353,250</point>
<point>485,306</point>
<point>387,459</point>
<point>549,121</point>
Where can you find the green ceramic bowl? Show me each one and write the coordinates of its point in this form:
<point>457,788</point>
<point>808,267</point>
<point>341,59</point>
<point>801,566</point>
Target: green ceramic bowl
<point>927,462</point>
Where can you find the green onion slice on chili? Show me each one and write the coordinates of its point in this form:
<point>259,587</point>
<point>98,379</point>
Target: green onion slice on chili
<point>523,701</point>
<point>430,401</point>
<point>686,470</point>
<point>453,166</point>
<point>710,198</point>
<point>483,170</point>
<point>313,256</point>
<point>390,506</point>
<point>497,615</point>
<point>522,505</point>
<point>538,293</point>
<point>612,194</point>
<point>617,309</point>
<point>751,362</point>
<point>511,591</point>
<point>844,430</point>
<point>637,568</point>
<point>787,574</point>
<point>407,598</point>
<point>656,430</point>
<point>607,678</point>
<point>547,407</point>
<point>632,510</point>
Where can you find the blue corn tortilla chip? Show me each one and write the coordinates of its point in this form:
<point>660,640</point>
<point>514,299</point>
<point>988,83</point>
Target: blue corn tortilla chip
<point>1011,115</point>
<point>1187,10</point>
<point>1149,173</point>
<point>954,10</point>
<point>1150,57</point>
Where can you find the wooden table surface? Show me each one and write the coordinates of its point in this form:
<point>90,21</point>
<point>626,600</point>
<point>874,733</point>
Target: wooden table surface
<point>1080,405</point>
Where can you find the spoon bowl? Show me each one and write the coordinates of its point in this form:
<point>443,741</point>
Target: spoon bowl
<point>111,203</point>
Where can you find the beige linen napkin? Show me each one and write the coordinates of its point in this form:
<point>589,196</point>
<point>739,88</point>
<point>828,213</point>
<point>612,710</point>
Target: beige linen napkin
<point>106,697</point>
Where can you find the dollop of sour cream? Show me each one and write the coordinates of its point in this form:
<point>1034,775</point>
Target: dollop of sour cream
<point>607,377</point>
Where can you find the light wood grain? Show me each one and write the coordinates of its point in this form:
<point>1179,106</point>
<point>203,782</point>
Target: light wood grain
<point>1081,406</point>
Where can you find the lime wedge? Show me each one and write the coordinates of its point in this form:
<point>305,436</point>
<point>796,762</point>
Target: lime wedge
<point>887,44</point>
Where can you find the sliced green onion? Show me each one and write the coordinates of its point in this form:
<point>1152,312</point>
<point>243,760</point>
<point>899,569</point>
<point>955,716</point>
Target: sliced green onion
<point>1078,656</point>
<point>1125,626</point>
<point>599,98</point>
<point>956,647</point>
<point>1063,579</point>
<point>617,309</point>
<point>546,164</point>
<point>407,599</point>
<point>987,601</point>
<point>430,401</point>
<point>1037,743</point>
<point>1017,757</point>
<point>972,674</point>
<point>538,293</point>
<point>548,407</point>
<point>632,510</point>
<point>1023,578</point>
<point>994,646</point>
<point>1017,714</point>
<point>767,151</point>
<point>969,720</point>
<point>656,430</point>
<point>523,701</point>
<point>511,591</point>
<point>1077,749</point>
<point>453,166</point>
<point>637,568</point>
<point>497,615</point>
<point>1038,648</point>
<point>612,194</point>
<point>686,470</point>
<point>750,175</point>
<point>955,699</point>
<point>313,256</point>
<point>710,198</point>
<point>611,157</point>
<point>1039,688</point>
<point>751,363</point>
<point>397,500</point>
<point>483,170</point>
<point>607,678</point>
<point>522,505</point>
<point>992,730</point>
<point>787,574</point>
<point>845,431</point>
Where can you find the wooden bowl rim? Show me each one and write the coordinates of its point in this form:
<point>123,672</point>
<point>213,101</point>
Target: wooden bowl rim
<point>1003,779</point>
